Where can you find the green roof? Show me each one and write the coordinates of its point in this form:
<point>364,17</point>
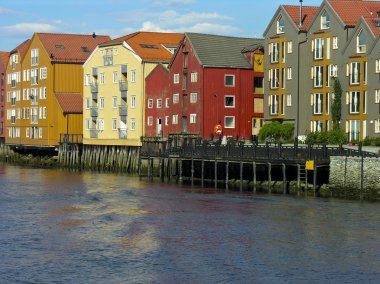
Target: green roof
<point>222,51</point>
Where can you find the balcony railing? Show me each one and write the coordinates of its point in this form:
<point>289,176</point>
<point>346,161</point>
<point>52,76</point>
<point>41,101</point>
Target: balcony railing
<point>123,110</point>
<point>93,133</point>
<point>94,111</point>
<point>123,133</point>
<point>123,85</point>
<point>94,88</point>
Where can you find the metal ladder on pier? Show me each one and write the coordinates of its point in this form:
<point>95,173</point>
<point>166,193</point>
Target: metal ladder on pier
<point>302,177</point>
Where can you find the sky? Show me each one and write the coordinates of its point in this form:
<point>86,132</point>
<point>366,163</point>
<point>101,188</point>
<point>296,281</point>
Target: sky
<point>19,19</point>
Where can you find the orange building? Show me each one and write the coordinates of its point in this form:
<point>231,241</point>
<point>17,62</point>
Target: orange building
<point>46,102</point>
<point>4,57</point>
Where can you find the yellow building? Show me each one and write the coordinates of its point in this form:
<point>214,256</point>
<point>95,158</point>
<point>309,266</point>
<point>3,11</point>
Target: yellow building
<point>46,105</point>
<point>114,86</point>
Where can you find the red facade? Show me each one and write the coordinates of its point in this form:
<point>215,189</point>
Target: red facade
<point>156,103</point>
<point>3,66</point>
<point>213,96</point>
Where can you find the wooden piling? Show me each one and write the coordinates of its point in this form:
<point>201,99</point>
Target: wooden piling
<point>202,172</point>
<point>254,176</point>
<point>284,181</point>
<point>269,177</point>
<point>241,176</point>
<point>216,173</point>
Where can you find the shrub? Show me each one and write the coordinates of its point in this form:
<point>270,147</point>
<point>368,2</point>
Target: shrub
<point>277,131</point>
<point>335,136</point>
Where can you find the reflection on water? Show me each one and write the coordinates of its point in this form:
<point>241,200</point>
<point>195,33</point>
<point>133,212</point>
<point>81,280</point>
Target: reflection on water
<point>67,227</point>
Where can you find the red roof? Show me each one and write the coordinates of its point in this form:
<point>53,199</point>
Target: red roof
<point>22,48</point>
<point>350,11</point>
<point>151,46</point>
<point>70,102</point>
<point>373,23</point>
<point>4,57</point>
<point>74,48</point>
<point>308,13</point>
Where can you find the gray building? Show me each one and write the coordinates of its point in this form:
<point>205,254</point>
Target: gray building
<point>336,41</point>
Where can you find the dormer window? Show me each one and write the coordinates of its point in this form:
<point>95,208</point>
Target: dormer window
<point>361,42</point>
<point>325,21</point>
<point>280,25</point>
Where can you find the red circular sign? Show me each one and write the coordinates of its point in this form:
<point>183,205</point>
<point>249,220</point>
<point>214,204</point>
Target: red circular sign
<point>218,129</point>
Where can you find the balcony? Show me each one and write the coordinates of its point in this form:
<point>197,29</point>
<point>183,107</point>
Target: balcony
<point>123,86</point>
<point>94,88</point>
<point>94,111</point>
<point>95,72</point>
<point>124,69</point>
<point>123,133</point>
<point>123,110</point>
<point>93,133</point>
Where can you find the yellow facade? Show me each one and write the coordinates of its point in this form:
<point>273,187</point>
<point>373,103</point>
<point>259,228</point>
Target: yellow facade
<point>113,115</point>
<point>40,120</point>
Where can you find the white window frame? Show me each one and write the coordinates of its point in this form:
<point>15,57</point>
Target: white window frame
<point>167,120</point>
<point>289,73</point>
<point>150,103</point>
<point>193,118</point>
<point>150,120</point>
<point>290,47</point>
<point>101,102</point>
<point>288,100</point>
<point>133,124</point>
<point>319,44</point>
<point>274,50</point>
<point>233,122</point>
<point>377,125</point>
<point>354,102</point>
<point>335,42</point>
<point>318,76</point>
<point>325,21</point>
<point>167,102</point>
<point>115,76</point>
<point>133,101</point>
<point>175,99</point>
<point>280,25</point>
<point>43,73</point>
<point>114,124</point>
<point>193,98</point>
<point>133,76</point>
<point>233,80</point>
<point>360,46</point>
<point>377,96</point>
<point>318,103</point>
<point>114,102</point>
<point>194,77</point>
<point>175,119</point>
<point>355,73</point>
<point>176,78</point>
<point>87,103</point>
<point>233,101</point>
<point>159,103</point>
<point>274,78</point>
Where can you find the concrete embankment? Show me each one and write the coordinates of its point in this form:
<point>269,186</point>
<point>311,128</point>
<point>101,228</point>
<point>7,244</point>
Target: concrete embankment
<point>355,178</point>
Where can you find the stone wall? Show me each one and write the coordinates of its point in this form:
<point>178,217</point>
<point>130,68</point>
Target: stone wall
<point>346,179</point>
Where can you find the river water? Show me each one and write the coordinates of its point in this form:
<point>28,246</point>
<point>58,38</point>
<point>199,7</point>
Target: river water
<point>64,227</point>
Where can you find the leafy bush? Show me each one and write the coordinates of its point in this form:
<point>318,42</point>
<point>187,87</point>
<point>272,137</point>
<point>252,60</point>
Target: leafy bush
<point>276,131</point>
<point>371,141</point>
<point>336,137</point>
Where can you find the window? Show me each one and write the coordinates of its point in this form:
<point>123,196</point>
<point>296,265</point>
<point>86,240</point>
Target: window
<point>274,52</point>
<point>325,21</point>
<point>114,102</point>
<point>229,80</point>
<point>377,66</point>
<point>361,44</point>
<point>355,102</point>
<point>229,101</point>
<point>114,124</point>
<point>229,122</point>
<point>102,78</point>
<point>327,103</point>
<point>115,51</point>
<point>335,42</point>
<point>133,76</point>
<point>87,80</point>
<point>377,126</point>
<point>289,72</point>
<point>318,48</point>
<point>43,73</point>
<point>355,73</point>
<point>280,25</point>
<point>101,102</point>
<point>288,100</point>
<point>34,55</point>
<point>318,103</point>
<point>87,103</point>
<point>27,132</point>
<point>175,119</point>
<point>40,132</point>
<point>184,81</point>
<point>167,120</point>
<point>193,118</point>
<point>176,79</point>
<point>34,76</point>
<point>133,124</point>
<point>194,77</point>
<point>283,48</point>
<point>175,98</point>
<point>150,103</point>
<point>193,98</point>
<point>273,77</point>
<point>150,120</point>
<point>333,70</point>
<point>316,126</point>
<point>274,104</point>
<point>133,101</point>
<point>290,47</point>
<point>167,102</point>
<point>318,76</point>
<point>377,96</point>
<point>159,103</point>
<point>114,77</point>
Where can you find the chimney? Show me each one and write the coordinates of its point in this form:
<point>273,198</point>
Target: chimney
<point>93,35</point>
<point>300,23</point>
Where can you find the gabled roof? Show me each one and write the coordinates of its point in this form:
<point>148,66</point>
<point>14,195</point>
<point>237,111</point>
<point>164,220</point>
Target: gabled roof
<point>308,13</point>
<point>70,48</point>
<point>70,102</point>
<point>374,24</point>
<point>221,51</point>
<point>21,48</point>
<point>151,46</point>
<point>4,57</point>
<point>350,11</point>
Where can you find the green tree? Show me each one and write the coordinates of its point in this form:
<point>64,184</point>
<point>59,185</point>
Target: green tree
<point>337,104</point>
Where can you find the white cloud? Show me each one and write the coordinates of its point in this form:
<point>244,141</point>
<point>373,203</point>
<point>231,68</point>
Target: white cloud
<point>159,3</point>
<point>29,28</point>
<point>151,27</point>
<point>209,28</point>
<point>5,11</point>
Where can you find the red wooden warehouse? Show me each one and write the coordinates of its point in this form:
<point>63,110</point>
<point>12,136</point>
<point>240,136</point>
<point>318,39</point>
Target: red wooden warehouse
<point>213,83</point>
